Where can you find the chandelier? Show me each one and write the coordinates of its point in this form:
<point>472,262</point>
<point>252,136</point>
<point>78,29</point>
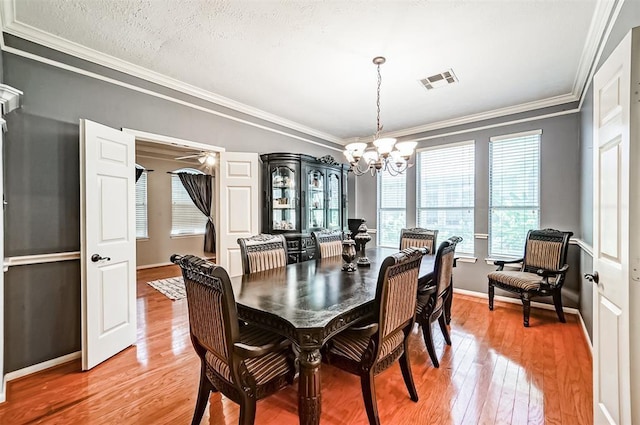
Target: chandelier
<point>383,154</point>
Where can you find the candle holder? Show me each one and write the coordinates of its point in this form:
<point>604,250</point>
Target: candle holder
<point>348,255</point>
<point>361,239</point>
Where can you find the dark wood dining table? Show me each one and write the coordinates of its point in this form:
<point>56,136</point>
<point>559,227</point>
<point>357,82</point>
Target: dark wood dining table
<point>310,302</point>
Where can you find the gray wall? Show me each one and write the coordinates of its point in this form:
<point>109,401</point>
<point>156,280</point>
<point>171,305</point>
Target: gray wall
<point>628,18</point>
<point>42,302</point>
<point>559,193</point>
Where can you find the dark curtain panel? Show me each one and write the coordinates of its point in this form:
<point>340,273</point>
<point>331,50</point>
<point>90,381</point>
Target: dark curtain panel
<point>139,172</point>
<point>198,187</point>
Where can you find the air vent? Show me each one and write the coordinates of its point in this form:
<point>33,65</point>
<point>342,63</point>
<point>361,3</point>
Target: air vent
<point>439,80</point>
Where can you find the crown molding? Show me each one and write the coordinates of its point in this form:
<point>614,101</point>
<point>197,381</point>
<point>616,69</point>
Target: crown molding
<point>14,27</point>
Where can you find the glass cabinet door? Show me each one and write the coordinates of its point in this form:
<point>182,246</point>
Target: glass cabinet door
<point>334,201</point>
<point>315,199</point>
<point>284,195</point>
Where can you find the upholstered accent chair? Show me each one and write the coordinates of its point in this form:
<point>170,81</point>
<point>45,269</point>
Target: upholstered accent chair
<point>328,243</point>
<point>262,252</point>
<point>368,350</point>
<point>542,273</point>
<point>243,362</point>
<point>434,298</point>
<point>418,237</point>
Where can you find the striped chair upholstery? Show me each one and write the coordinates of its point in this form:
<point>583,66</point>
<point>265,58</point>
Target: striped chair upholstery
<point>328,243</point>
<point>263,252</point>
<point>216,333</point>
<point>542,272</point>
<point>367,351</point>
<point>418,238</point>
<point>431,300</point>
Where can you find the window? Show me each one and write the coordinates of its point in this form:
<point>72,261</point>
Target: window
<point>141,207</point>
<point>392,204</point>
<point>186,218</point>
<point>446,189</point>
<point>514,191</point>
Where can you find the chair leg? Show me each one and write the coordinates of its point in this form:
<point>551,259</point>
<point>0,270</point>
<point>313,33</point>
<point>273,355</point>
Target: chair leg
<point>247,410</point>
<point>428,341</point>
<point>443,328</point>
<point>526,309</point>
<point>491,291</point>
<point>369,396</point>
<point>557,301</point>
<point>204,390</point>
<point>405,367</point>
<point>447,304</point>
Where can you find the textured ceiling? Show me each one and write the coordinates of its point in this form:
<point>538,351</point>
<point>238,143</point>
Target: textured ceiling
<point>310,61</point>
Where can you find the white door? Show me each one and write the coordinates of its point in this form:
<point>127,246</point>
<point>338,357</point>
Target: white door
<point>237,193</point>
<point>615,165</point>
<point>108,236</point>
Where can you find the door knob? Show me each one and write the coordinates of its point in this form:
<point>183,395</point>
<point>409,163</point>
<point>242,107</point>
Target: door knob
<point>595,277</point>
<point>96,257</point>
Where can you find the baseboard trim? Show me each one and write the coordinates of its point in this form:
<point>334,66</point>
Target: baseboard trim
<point>586,334</point>
<point>568,310</point>
<point>151,266</point>
<point>36,368</point>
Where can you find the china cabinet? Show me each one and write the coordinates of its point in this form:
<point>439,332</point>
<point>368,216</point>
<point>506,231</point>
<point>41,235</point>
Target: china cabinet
<point>301,194</point>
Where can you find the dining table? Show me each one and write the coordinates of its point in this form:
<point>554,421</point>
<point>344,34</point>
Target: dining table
<point>310,302</point>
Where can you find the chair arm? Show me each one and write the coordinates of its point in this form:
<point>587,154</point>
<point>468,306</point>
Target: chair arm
<point>427,290</point>
<point>501,263</point>
<point>366,330</point>
<point>250,351</point>
<point>548,273</point>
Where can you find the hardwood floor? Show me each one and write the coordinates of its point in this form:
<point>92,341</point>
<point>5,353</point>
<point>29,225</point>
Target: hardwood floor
<point>496,372</point>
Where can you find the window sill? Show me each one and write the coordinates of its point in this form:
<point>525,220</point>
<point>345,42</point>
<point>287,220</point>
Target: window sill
<point>189,235</point>
<point>145,239</point>
<point>466,259</point>
<point>511,266</point>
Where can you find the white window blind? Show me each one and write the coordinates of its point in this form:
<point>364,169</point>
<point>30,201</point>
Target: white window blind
<point>186,218</point>
<point>392,208</point>
<point>141,207</point>
<point>446,192</point>
<point>514,192</point>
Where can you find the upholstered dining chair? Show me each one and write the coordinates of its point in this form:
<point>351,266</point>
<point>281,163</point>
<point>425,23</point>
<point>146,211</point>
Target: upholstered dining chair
<point>435,296</point>
<point>262,252</point>
<point>418,237</point>
<point>368,350</point>
<point>328,243</point>
<point>542,273</point>
<point>243,362</point>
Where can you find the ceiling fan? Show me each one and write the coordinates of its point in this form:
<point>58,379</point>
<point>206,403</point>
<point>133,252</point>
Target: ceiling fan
<point>204,157</point>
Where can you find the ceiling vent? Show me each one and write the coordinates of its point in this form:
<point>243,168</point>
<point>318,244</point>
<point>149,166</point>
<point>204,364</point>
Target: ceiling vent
<point>439,80</point>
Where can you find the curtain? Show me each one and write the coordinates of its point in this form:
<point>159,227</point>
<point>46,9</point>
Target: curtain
<point>199,187</point>
<point>139,172</point>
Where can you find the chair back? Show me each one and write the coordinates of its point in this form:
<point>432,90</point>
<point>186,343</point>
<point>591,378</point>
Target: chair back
<point>418,238</point>
<point>443,271</point>
<point>328,243</point>
<point>213,317</point>
<point>396,297</point>
<point>545,249</point>
<point>263,252</point>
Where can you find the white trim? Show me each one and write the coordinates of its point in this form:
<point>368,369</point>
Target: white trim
<point>586,333</point>
<point>151,266</point>
<point>34,369</point>
<point>374,231</point>
<point>588,249</point>
<point>515,135</point>
<point>27,32</point>
<point>447,145</point>
<point>25,260</point>
<point>481,235</point>
<point>496,125</point>
<point>466,259</point>
<point>113,81</point>
<point>544,306</point>
<point>496,113</point>
<point>160,139</point>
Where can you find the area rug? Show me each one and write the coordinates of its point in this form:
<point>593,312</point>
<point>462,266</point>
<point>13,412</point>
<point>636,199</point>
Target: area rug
<point>172,288</point>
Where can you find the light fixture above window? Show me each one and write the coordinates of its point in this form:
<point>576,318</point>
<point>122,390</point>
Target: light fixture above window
<point>383,154</point>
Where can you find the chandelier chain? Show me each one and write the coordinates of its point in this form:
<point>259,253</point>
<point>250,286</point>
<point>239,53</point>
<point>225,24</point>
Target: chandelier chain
<point>378,127</point>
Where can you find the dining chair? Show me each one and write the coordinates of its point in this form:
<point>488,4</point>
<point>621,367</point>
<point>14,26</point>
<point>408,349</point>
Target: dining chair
<point>243,362</point>
<point>262,252</point>
<point>436,295</point>
<point>368,350</point>
<point>328,243</point>
<point>542,273</point>
<point>418,237</point>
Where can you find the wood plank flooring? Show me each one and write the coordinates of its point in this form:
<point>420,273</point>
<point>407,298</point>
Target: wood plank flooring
<point>496,372</point>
